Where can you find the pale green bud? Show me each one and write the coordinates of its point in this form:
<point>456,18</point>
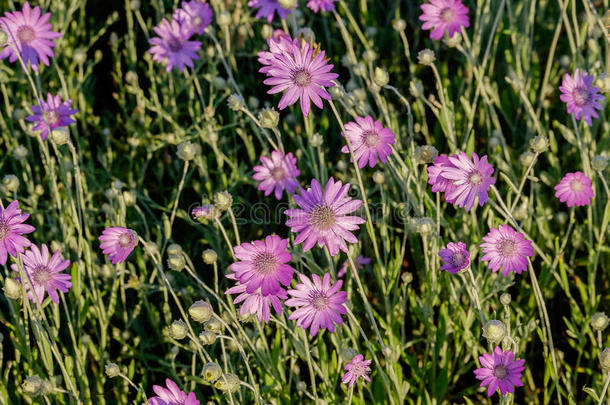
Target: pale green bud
<point>201,311</point>
<point>228,382</point>
<point>494,331</point>
<point>426,57</point>
<point>178,330</point>
<point>599,321</point>
<point>112,370</point>
<point>381,77</point>
<point>269,118</point>
<point>12,288</point>
<point>211,372</point>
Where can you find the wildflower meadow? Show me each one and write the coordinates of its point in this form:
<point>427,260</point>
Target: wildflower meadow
<point>304,202</point>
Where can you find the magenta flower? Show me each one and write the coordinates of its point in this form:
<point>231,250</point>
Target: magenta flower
<point>369,140</point>
<point>580,96</point>
<point>320,303</point>
<point>455,257</point>
<point>30,34</point>
<point>279,43</point>
<point>58,115</point>
<point>360,262</point>
<point>300,72</point>
<point>442,16</point>
<point>321,5</point>
<point>268,8</point>
<point>506,249</point>
<point>172,395</point>
<point>11,228</point>
<point>357,368</point>
<point>44,273</point>
<point>256,303</point>
<point>117,243</point>
<point>462,179</point>
<point>263,265</point>
<point>574,189</point>
<point>500,370</point>
<point>195,15</point>
<point>172,46</point>
<point>322,217</point>
<point>277,174</point>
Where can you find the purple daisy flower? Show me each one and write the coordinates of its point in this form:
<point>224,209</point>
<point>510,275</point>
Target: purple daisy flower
<point>321,5</point>
<point>263,265</point>
<point>580,96</point>
<point>369,140</point>
<point>322,217</point>
<point>279,43</point>
<point>355,369</point>
<point>435,178</point>
<point>320,303</point>
<point>172,46</point>
<point>455,257</point>
<point>44,273</point>
<point>277,174</point>
<point>58,115</point>
<point>500,370</point>
<point>507,249</point>
<point>172,395</point>
<point>256,303</point>
<point>117,243</point>
<point>268,8</point>
<point>442,16</point>
<point>574,189</point>
<point>360,262</point>
<point>30,34</point>
<point>196,15</point>
<point>300,72</point>
<point>11,228</point>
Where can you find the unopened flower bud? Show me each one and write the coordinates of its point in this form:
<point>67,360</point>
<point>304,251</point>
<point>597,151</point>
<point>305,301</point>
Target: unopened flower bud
<point>224,18</point>
<point>424,226</point>
<point>316,140</point>
<point>337,92</point>
<point>399,25</point>
<point>201,311</point>
<point>209,256</point>
<point>186,151</point>
<point>494,331</point>
<point>347,354</point>
<point>378,177</point>
<point>526,158</point>
<point>505,299</point>
<point>539,144</point>
<point>211,372</point>
<point>33,386</point>
<point>369,55</point>
<point>269,118</point>
<point>301,386</point>
<point>213,325</point>
<point>112,370</point>
<point>178,330</point>
<point>176,262</point>
<point>204,213</point>
<point>416,89</point>
<point>599,163</point>
<point>453,41</point>
<point>219,82</point>
<point>381,77</point>
<point>19,113</point>
<point>129,197</point>
<point>12,288</point>
<point>20,152</point>
<point>407,278</point>
<point>267,31</point>
<point>561,218</point>
<point>60,136</point>
<point>426,57</point>
<point>253,102</point>
<point>134,5</point>
<point>228,382</point>
<point>80,56</point>
<point>10,183</point>
<point>288,4</point>
<point>425,154</point>
<point>223,200</point>
<point>236,102</point>
<point>599,321</point>
<point>604,359</point>
<point>359,69</point>
<point>207,338</point>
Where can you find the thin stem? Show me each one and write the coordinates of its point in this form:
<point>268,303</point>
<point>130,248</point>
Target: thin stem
<point>604,390</point>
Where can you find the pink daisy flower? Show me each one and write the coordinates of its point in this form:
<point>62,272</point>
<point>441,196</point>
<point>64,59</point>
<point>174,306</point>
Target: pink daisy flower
<point>369,140</point>
<point>117,243</point>
<point>30,34</point>
<point>277,174</point>
<point>360,262</point>
<point>580,96</point>
<point>256,303</point>
<point>322,217</point>
<point>172,46</point>
<point>172,395</point>
<point>263,265</point>
<point>506,249</point>
<point>500,370</point>
<point>320,303</point>
<point>300,72</point>
<point>58,115</point>
<point>574,189</point>
<point>195,15</point>
<point>44,273</point>
<point>435,178</point>
<point>455,257</point>
<point>12,228</point>
<point>442,16</point>
<point>355,369</point>
<point>279,43</point>
<point>321,5</point>
<point>268,8</point>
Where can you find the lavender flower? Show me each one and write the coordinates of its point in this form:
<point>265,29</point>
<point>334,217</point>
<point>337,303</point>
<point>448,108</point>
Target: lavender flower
<point>268,8</point>
<point>506,249</point>
<point>321,5</point>
<point>369,139</point>
<point>580,96</point>
<point>57,114</point>
<point>277,174</point>
<point>574,189</point>
<point>195,15</point>
<point>117,243</point>
<point>455,257</point>
<point>172,395</point>
<point>355,369</point>
<point>12,228</point>
<point>256,303</point>
<point>442,16</point>
<point>500,370</point>
<point>172,46</point>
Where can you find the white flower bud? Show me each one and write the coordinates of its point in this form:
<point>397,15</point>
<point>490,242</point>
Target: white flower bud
<point>399,25</point>
<point>267,31</point>
<point>20,152</point>
<point>370,55</point>
<point>186,151</point>
<point>79,56</point>
<point>378,177</point>
<point>60,136</point>
<point>316,140</point>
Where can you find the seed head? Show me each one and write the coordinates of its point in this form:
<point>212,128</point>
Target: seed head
<point>494,331</point>
<point>223,200</point>
<point>178,330</point>
<point>426,57</point>
<point>176,262</point>
<point>201,311</point>
<point>599,321</point>
<point>539,144</point>
<point>211,372</point>
<point>112,370</point>
<point>186,151</point>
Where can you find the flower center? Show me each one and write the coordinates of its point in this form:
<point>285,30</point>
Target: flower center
<point>447,14</point>
<point>41,275</point>
<point>319,301</point>
<point>581,96</point>
<point>507,247</point>
<point>458,259</point>
<point>500,372</point>
<point>475,178</point>
<point>125,240</point>
<point>174,44</point>
<point>301,78</point>
<point>52,117</point>
<point>576,186</point>
<point>25,34</point>
<point>4,229</point>
<point>322,217</point>
<point>278,173</point>
<point>196,21</point>
<point>371,139</point>
<point>265,263</point>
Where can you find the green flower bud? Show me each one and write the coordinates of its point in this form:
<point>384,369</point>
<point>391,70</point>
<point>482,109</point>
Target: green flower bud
<point>201,311</point>
<point>223,200</point>
<point>224,18</point>
<point>20,152</point>
<point>176,262</point>
<point>12,288</point>
<point>213,325</point>
<point>381,77</point>
<point>494,331</point>
<point>378,177</point>
<point>228,382</point>
<point>112,370</point>
<point>33,386</point>
<point>539,144</point>
<point>426,57</point>
<point>10,183</point>
<point>599,321</point>
<point>186,151</point>
<point>207,338</point>
<point>178,330</point>
<point>526,158</point>
<point>599,163</point>
<point>269,118</point>
<point>211,372</point>
<point>209,256</point>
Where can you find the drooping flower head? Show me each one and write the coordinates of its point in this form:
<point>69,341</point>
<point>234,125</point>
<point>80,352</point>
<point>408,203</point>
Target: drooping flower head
<point>299,71</point>
<point>321,5</point>
<point>268,8</point>
<point>355,369</point>
<point>322,217</point>
<point>581,96</point>
<point>277,174</point>
<point>455,257</point>
<point>172,395</point>
<point>506,249</point>
<point>29,33</point>
<point>574,189</point>
<point>256,303</point>
<point>461,179</point>
<point>195,15</point>
<point>442,16</point>
<point>319,302</point>
<point>369,140</point>
<point>172,46</point>
<point>263,264</point>
<point>12,228</point>
<point>57,114</point>
<point>500,370</point>
<point>44,273</point>
<point>117,243</point>
<point>360,262</point>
